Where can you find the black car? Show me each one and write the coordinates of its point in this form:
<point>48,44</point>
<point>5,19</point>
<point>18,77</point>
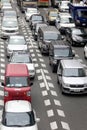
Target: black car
<point>35,18</point>
<point>59,50</point>
<point>76,36</point>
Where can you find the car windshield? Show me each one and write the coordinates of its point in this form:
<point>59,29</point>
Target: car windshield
<point>17,81</point>
<point>53,14</point>
<point>37,18</point>
<point>16,41</point>
<point>66,20</point>
<point>32,11</point>
<point>21,119</point>
<point>79,31</point>
<point>51,36</point>
<point>21,59</point>
<point>64,52</point>
<point>74,72</point>
<point>10,24</point>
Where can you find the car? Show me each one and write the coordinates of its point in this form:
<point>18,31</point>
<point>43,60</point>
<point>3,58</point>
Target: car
<point>85,51</point>
<point>64,21</point>
<point>23,58</point>
<point>29,12</point>
<point>45,36</point>
<point>36,28</point>
<point>76,36</point>
<point>6,6</point>
<point>63,6</point>
<point>9,26</point>
<point>72,77</point>
<point>51,16</point>
<point>59,50</point>
<point>20,115</point>
<point>16,43</point>
<point>10,14</point>
<point>17,84</point>
<point>35,18</point>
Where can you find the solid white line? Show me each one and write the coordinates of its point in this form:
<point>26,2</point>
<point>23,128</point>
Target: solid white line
<point>44,78</point>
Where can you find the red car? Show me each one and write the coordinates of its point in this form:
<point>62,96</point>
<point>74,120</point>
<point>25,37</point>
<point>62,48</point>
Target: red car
<point>17,83</point>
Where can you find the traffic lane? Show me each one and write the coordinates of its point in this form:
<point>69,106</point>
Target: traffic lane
<point>73,106</point>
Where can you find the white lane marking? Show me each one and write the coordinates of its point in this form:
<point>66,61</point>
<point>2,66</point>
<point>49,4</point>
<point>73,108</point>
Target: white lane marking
<point>40,77</point>
<point>50,113</point>
<point>37,51</point>
<point>41,60</point>
<point>42,85</point>
<point>2,50</point>
<point>39,55</point>
<point>60,113</point>
<point>2,55</point>
<point>1,102</point>
<point>44,93</point>
<point>2,77</point>
<point>57,102</point>
<point>2,59</point>
<point>2,71</point>
<point>2,65</point>
<point>51,85</point>
<point>43,65</point>
<point>33,55</point>
<point>45,81</point>
<point>47,102</point>
<point>54,93</point>
<point>36,65</point>
<point>1,93</point>
<point>53,125</point>
<point>48,77</point>
<point>31,50</point>
<point>38,71</point>
<point>65,125</point>
<point>46,71</point>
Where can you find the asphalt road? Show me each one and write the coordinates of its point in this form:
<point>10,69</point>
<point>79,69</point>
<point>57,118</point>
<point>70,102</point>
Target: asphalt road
<point>56,111</point>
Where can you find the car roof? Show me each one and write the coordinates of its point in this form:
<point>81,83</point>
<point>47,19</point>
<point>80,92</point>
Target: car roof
<point>16,70</point>
<point>18,106</point>
<point>49,29</point>
<point>71,63</point>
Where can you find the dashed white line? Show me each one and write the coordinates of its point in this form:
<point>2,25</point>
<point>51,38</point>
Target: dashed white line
<point>65,125</point>
<point>53,125</point>
<point>57,102</point>
<point>60,113</point>
<point>47,102</point>
<point>50,113</point>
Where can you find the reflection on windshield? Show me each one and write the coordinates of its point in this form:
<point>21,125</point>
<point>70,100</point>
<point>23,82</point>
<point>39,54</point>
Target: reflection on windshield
<point>18,119</point>
<point>51,36</point>
<point>62,52</point>
<point>74,72</point>
<point>17,82</point>
<point>17,41</point>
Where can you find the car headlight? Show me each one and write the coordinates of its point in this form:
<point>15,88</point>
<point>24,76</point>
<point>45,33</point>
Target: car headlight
<point>66,85</point>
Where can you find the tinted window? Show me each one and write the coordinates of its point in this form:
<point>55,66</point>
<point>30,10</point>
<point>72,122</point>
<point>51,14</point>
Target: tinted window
<point>21,119</point>
<point>74,72</point>
<point>17,82</point>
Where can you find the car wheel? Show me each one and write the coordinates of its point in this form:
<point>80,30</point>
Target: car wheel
<point>62,89</point>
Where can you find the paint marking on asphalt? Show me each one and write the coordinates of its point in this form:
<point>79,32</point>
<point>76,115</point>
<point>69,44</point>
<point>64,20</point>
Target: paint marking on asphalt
<point>57,102</point>
<point>53,125</point>
<point>44,78</point>
<point>65,125</point>
<point>47,102</point>
<point>54,93</point>
<point>60,113</point>
<point>50,113</point>
<point>44,93</point>
<point>42,85</point>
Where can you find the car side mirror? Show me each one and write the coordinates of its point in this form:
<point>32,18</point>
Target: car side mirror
<point>59,74</point>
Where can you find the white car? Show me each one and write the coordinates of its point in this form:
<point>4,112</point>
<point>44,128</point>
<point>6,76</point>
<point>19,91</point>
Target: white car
<point>72,76</point>
<point>9,26</point>
<point>29,12</point>
<point>24,58</point>
<point>16,43</point>
<point>63,6</point>
<point>64,21</point>
<point>18,115</point>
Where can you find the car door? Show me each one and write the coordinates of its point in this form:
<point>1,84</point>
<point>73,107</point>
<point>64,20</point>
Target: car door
<point>59,73</point>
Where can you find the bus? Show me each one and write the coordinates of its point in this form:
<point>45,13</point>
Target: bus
<point>24,4</point>
<point>43,3</point>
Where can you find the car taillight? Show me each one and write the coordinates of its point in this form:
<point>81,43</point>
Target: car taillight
<point>28,93</point>
<point>5,93</point>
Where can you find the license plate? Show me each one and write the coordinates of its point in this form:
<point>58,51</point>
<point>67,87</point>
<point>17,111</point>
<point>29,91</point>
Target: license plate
<point>76,90</point>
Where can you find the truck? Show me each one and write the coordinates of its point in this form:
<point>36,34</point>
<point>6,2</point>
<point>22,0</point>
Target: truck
<point>79,13</point>
<point>24,4</point>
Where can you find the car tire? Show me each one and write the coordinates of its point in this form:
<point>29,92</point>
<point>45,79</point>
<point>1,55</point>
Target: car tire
<point>53,70</point>
<point>85,56</point>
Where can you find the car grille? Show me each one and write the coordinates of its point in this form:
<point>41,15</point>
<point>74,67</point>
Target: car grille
<point>10,31</point>
<point>76,86</point>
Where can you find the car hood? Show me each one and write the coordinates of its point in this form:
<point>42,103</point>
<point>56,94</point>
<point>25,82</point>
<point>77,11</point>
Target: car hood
<point>10,28</point>
<point>19,128</point>
<point>67,25</point>
<point>75,80</point>
<point>17,47</point>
